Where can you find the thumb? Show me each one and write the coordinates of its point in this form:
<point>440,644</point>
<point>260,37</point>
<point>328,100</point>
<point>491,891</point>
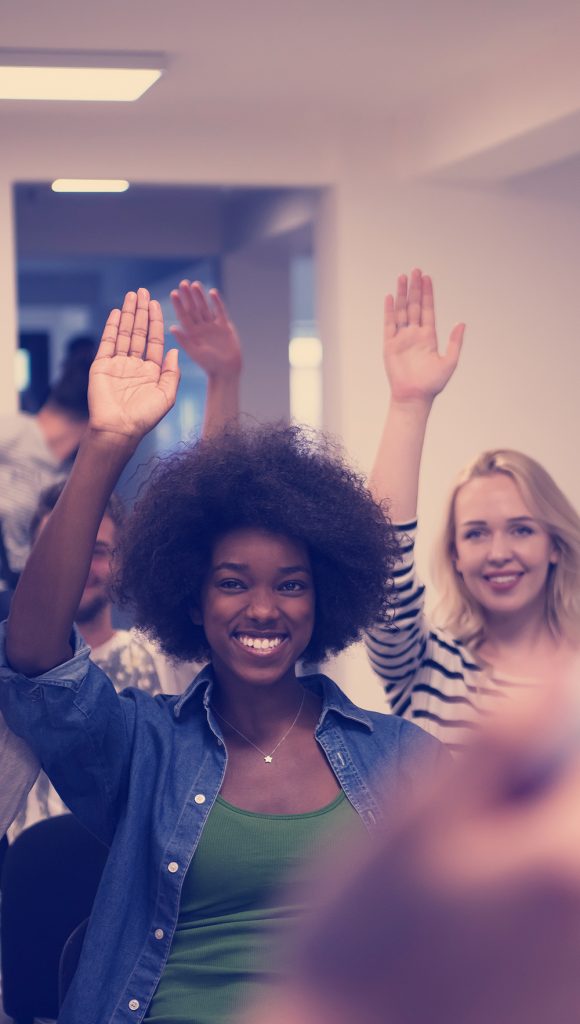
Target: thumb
<point>454,345</point>
<point>169,378</point>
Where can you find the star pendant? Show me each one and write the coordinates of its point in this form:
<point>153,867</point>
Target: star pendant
<point>268,759</point>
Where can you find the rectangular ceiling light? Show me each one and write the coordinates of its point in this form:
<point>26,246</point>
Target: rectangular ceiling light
<point>96,77</point>
<point>89,185</point>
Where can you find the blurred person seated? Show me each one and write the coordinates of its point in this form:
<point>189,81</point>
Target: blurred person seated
<point>36,451</point>
<point>18,770</point>
<point>127,655</point>
<point>468,912</point>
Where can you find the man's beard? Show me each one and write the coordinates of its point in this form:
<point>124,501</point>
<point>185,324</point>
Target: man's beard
<point>88,612</point>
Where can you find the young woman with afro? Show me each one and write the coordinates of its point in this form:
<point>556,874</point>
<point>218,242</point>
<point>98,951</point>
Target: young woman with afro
<point>256,550</point>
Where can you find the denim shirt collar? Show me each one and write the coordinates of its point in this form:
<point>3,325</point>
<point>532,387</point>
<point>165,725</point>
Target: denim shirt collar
<point>333,699</point>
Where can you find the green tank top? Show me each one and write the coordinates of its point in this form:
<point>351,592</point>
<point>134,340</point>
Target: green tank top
<point>244,887</point>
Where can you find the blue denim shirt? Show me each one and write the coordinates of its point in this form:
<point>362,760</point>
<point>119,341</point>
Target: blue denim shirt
<point>142,773</point>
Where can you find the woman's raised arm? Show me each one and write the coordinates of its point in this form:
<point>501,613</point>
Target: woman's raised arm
<point>416,372</point>
<point>131,387</point>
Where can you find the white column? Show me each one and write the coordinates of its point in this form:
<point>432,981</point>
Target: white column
<point>256,287</point>
<point>8,305</point>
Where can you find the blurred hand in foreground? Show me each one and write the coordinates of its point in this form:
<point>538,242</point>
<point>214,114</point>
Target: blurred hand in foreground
<point>471,913</point>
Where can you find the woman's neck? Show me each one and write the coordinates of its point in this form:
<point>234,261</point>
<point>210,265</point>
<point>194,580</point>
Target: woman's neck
<point>526,647</point>
<point>258,711</point>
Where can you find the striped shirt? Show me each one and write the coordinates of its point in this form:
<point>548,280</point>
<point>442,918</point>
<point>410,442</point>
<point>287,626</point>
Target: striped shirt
<point>430,678</point>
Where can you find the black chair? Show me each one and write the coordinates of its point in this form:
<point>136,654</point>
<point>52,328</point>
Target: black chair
<point>69,959</point>
<point>49,880</point>
<point>3,849</point>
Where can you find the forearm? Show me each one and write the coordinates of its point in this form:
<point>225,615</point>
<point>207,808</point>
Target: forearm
<point>395,474</point>
<point>222,405</point>
<point>48,594</point>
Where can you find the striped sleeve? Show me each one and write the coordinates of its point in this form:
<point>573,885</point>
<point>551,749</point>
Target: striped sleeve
<point>396,648</point>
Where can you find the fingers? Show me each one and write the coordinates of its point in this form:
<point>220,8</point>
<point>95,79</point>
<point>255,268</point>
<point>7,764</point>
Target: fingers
<point>414,298</point>
<point>140,327</point>
<point>218,305</point>
<point>126,324</point>
<point>109,337</point>
<point>137,327</point>
<point>180,300</point>
<point>191,305</point>
<point>155,332</point>
<point>401,302</point>
<point>390,321</point>
<point>427,303</point>
<point>204,313</point>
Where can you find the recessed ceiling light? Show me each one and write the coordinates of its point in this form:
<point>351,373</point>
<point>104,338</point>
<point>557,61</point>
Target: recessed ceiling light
<point>90,185</point>
<point>56,75</point>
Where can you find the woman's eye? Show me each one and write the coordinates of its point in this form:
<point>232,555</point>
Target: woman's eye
<point>473,535</point>
<point>230,585</point>
<point>293,586</point>
<point>523,531</point>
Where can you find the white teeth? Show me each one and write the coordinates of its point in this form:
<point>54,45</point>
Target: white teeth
<point>503,579</point>
<point>263,643</point>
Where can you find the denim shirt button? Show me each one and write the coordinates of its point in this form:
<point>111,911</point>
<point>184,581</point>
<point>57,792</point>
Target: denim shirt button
<point>199,798</point>
<point>133,1004</point>
<point>159,933</point>
<point>173,866</point>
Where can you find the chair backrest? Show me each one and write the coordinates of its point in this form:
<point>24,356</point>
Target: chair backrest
<point>69,959</point>
<point>49,880</point>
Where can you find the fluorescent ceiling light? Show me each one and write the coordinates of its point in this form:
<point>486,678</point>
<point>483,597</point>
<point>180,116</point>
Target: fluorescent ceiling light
<point>109,77</point>
<point>90,185</point>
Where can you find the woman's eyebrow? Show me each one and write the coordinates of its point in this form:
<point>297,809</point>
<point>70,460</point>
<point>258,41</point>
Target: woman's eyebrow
<point>512,519</point>
<point>244,567</point>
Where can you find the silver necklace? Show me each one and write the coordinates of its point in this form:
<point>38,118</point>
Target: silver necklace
<point>267,757</point>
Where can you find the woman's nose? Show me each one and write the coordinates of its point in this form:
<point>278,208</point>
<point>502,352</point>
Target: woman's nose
<point>500,549</point>
<point>262,605</point>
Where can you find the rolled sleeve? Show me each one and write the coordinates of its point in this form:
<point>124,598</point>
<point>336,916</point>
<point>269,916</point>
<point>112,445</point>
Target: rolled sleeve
<point>79,729</point>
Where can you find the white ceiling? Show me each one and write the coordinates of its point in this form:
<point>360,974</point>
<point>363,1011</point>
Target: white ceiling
<point>461,87</point>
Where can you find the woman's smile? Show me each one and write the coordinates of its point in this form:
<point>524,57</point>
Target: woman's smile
<point>260,643</point>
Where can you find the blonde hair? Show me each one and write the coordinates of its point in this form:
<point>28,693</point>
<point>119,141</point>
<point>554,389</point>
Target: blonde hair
<point>457,610</point>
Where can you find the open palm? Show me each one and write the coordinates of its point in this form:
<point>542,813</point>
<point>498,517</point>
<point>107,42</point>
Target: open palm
<point>131,385</point>
<point>414,365</point>
<point>205,331</point>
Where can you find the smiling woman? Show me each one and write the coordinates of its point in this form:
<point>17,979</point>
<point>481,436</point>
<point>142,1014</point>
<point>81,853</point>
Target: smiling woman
<point>508,566</point>
<point>255,549</point>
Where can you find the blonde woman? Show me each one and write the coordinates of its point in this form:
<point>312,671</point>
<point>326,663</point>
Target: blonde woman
<point>508,565</point>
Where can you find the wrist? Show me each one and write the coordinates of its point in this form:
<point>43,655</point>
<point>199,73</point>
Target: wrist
<point>224,378</point>
<point>108,441</point>
<point>413,405</point>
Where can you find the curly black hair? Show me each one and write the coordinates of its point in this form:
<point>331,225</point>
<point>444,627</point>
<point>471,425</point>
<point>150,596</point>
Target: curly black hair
<point>283,479</point>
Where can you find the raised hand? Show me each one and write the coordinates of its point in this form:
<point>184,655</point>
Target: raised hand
<point>131,385</point>
<point>205,331</point>
<point>415,367</point>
